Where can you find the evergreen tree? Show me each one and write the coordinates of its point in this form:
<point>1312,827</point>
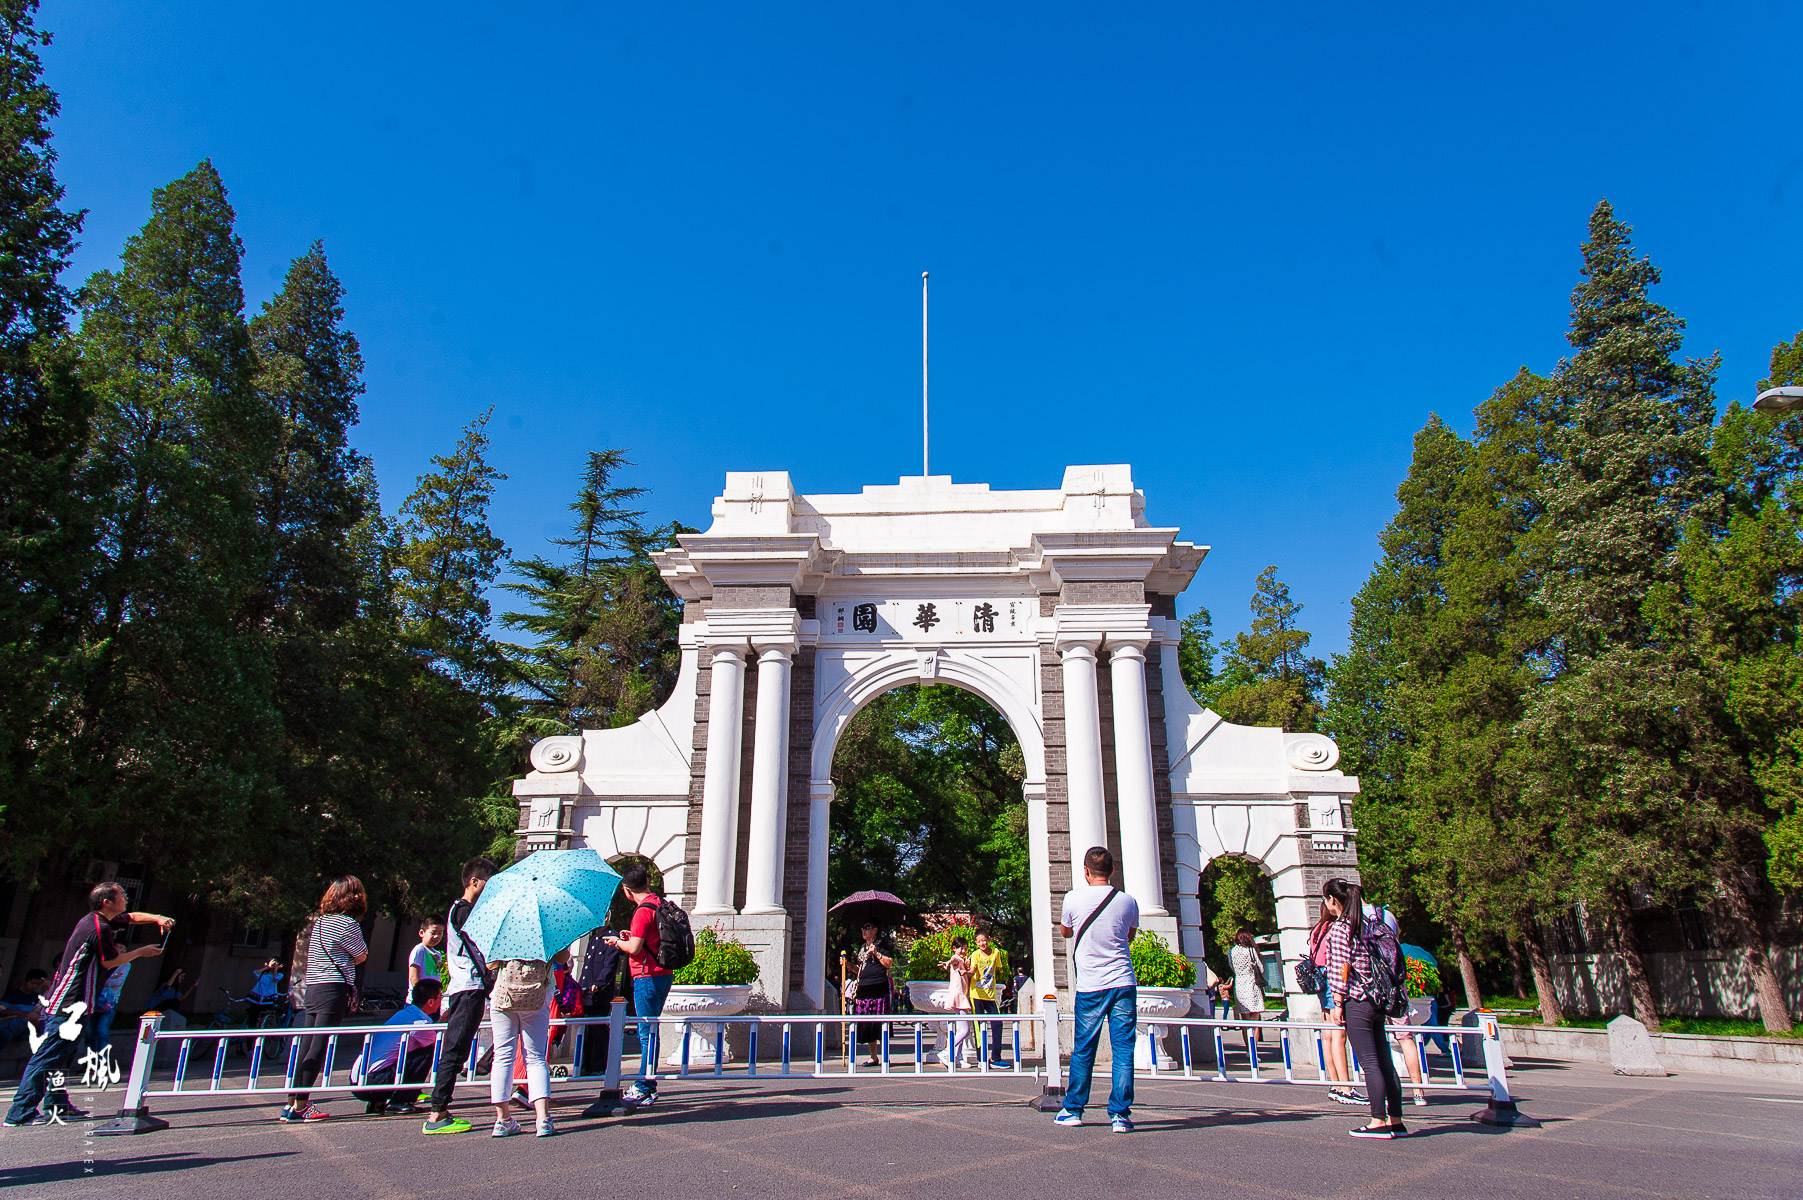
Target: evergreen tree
<point>444,559</point>
<point>177,723</point>
<point>1609,730</point>
<point>309,374</point>
<point>605,620</point>
<point>46,528</point>
<point>1268,678</point>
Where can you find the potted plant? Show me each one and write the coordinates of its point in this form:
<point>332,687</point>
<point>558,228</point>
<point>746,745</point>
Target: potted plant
<point>928,987</point>
<point>1165,978</point>
<point>715,983</point>
<point>1423,979</point>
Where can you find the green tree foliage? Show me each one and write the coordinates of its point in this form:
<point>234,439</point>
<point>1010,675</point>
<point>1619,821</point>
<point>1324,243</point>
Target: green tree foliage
<point>604,619</point>
<point>1570,676</point>
<point>1267,676</point>
<point>1611,729</point>
<point>444,559</point>
<point>46,533</point>
<point>928,805</point>
<point>1196,656</point>
<point>178,724</point>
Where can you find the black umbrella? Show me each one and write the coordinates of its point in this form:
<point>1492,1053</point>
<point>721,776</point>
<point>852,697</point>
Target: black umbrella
<point>879,908</point>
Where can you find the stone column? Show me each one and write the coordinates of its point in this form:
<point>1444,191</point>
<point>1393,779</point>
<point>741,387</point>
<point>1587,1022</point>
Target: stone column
<point>820,803</point>
<point>1133,773</point>
<point>1044,906</point>
<point>720,783</point>
<point>1083,748</point>
<point>769,780</point>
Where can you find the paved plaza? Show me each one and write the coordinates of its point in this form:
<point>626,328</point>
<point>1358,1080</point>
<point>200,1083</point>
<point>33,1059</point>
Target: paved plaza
<point>966,1136</point>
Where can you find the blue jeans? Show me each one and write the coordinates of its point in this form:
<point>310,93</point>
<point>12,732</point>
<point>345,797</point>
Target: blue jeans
<point>648,995</point>
<point>1117,1005</point>
<point>53,1054</point>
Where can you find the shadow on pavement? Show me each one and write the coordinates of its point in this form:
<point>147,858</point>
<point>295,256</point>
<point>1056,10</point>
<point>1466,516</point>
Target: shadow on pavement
<point>143,1164</point>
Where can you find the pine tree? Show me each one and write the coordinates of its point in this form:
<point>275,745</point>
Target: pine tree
<point>444,559</point>
<point>1628,469</point>
<point>605,621</point>
<point>1268,678</point>
<point>46,532</point>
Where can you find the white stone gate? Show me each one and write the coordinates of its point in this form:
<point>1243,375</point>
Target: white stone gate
<point>798,610</point>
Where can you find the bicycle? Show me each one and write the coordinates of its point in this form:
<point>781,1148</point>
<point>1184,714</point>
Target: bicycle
<point>257,1013</point>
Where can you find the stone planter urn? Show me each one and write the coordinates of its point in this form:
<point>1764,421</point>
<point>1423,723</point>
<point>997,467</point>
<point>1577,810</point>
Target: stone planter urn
<point>935,996</point>
<point>689,1001</point>
<point>1156,1002</point>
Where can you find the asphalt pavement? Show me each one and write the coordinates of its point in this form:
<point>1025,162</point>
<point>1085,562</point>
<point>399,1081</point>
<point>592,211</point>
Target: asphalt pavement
<point>905,1138</point>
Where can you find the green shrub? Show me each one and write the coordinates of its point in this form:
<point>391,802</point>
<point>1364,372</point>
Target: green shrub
<point>926,953</point>
<point>1156,965</point>
<point>718,961</point>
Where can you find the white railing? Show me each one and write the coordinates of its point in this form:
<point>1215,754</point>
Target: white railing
<point>769,1044</point>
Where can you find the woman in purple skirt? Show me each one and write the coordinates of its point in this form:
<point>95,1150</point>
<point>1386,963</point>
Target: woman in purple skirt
<point>875,957</point>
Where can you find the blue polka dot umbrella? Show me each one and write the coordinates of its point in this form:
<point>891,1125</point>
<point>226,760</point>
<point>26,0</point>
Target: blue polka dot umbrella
<point>541,904</point>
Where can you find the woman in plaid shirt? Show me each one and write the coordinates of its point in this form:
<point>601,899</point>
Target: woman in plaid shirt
<point>1348,969</point>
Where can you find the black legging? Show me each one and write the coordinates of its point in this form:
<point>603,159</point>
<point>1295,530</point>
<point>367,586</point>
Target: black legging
<point>1365,1031</point>
<point>327,1004</point>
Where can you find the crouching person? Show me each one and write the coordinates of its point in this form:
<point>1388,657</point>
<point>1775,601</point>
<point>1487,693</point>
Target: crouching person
<point>411,1053</point>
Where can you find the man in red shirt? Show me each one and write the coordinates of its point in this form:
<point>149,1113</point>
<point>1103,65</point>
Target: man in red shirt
<point>650,981</point>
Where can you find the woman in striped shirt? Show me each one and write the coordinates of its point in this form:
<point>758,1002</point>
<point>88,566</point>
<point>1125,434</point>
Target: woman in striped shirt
<point>334,948</point>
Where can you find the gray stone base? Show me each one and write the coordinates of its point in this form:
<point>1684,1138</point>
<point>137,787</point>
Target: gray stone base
<point>768,937</point>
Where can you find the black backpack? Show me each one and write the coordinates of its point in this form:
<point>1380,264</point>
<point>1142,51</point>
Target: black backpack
<point>1387,984</point>
<point>675,940</point>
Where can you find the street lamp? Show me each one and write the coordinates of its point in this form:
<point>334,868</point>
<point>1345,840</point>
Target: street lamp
<point>1779,400</point>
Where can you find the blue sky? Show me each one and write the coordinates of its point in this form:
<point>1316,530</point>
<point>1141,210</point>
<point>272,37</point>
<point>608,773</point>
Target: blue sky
<point>1247,249</point>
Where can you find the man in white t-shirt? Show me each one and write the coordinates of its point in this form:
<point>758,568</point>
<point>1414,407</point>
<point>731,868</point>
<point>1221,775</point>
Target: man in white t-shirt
<point>1101,920</point>
<point>465,996</point>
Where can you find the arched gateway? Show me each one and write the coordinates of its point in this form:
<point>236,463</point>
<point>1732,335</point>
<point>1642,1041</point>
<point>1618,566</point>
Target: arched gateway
<point>1057,607</point>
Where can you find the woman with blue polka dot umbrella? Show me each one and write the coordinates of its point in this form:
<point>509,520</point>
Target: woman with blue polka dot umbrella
<point>527,916</point>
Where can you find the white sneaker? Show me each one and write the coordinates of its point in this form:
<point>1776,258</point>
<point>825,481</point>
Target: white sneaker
<point>546,1129</point>
<point>507,1128</point>
<point>1068,1118</point>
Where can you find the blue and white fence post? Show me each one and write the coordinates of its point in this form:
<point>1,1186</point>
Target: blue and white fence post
<point>134,1115</point>
<point>1051,1097</point>
<point>608,1102</point>
<point>1501,1110</point>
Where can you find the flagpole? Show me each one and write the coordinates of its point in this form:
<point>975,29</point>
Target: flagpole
<point>923,374</point>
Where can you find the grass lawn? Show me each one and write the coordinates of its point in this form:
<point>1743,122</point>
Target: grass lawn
<point>1705,1026</point>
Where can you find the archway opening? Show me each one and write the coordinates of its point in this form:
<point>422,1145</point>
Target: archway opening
<point>619,912</point>
<point>928,805</point>
<point>1235,895</point>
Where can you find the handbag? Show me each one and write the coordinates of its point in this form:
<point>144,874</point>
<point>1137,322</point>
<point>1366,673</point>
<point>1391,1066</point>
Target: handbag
<point>1309,975</point>
<point>520,985</point>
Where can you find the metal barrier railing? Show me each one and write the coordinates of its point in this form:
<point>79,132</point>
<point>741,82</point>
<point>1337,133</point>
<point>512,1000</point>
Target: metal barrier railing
<point>909,1054</point>
<point>897,1054</point>
<point>1501,1108</point>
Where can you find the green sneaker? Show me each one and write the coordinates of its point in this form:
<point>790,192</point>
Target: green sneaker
<point>448,1125</point>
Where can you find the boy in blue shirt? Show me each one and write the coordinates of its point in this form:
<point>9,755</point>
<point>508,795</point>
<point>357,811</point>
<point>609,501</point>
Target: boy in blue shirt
<point>386,1051</point>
